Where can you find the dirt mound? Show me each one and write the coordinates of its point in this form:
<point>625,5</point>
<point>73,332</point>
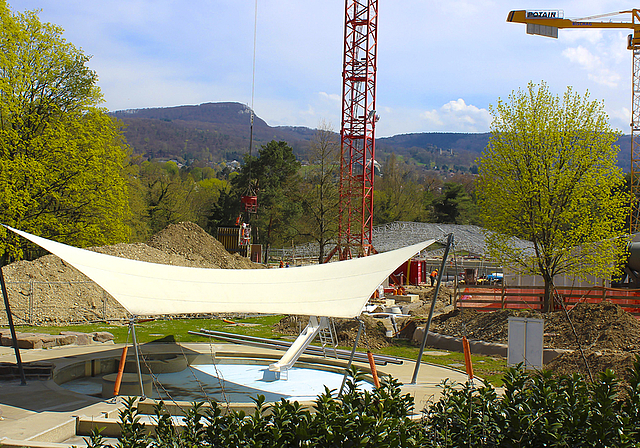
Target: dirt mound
<point>144,252</point>
<point>598,361</point>
<point>484,326</point>
<point>598,325</point>
<point>192,243</point>
<point>48,290</point>
<point>373,337</point>
<point>608,335</point>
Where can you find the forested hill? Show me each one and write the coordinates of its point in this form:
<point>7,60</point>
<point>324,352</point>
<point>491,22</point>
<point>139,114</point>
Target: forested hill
<point>209,132</point>
<point>214,132</point>
<point>465,147</point>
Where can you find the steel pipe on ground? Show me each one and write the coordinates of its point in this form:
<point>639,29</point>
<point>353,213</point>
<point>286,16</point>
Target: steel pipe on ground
<point>284,345</point>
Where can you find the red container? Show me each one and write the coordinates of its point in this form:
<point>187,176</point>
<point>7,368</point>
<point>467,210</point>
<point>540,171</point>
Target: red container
<point>250,203</point>
<point>416,272</point>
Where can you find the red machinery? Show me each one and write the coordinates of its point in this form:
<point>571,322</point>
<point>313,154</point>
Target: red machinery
<point>250,203</point>
<point>357,146</point>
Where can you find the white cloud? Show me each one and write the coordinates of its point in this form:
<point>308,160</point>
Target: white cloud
<point>597,70</point>
<point>581,56</point>
<point>165,53</point>
<point>593,36</point>
<point>457,116</point>
<point>432,117</point>
<point>620,118</point>
<point>617,49</point>
<point>332,97</point>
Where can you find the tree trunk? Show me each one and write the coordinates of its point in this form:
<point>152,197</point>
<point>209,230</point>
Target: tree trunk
<point>321,253</point>
<point>547,299</point>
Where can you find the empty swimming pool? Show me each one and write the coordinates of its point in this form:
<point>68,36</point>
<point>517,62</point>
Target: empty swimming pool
<point>233,383</point>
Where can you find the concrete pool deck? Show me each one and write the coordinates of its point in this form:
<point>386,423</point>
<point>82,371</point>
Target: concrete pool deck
<point>42,413</point>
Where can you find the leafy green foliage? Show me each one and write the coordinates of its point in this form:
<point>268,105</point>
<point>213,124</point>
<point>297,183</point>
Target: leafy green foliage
<point>132,432</point>
<point>454,205</point>
<point>161,193</point>
<point>274,177</point>
<point>534,409</point>
<point>95,439</point>
<point>398,194</point>
<point>356,419</point>
<point>61,157</point>
<point>549,176</point>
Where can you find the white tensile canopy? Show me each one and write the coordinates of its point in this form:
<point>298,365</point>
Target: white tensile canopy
<point>339,289</point>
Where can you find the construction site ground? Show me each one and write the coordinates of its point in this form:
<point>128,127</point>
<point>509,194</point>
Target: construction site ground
<point>608,336</point>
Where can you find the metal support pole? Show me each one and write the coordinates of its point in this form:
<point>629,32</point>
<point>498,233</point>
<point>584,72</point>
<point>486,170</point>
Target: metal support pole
<point>135,344</point>
<point>16,349</point>
<point>31,318</point>
<point>433,305</point>
<point>353,352</point>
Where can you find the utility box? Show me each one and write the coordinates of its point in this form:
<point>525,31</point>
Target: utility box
<point>525,342</point>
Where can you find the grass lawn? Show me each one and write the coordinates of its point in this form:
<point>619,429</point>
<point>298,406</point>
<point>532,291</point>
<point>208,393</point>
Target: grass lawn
<point>177,330</point>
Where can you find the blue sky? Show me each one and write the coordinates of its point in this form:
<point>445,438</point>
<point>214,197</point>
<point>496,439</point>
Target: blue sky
<point>440,64</point>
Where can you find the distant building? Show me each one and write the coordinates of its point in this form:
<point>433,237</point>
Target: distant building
<point>234,165</point>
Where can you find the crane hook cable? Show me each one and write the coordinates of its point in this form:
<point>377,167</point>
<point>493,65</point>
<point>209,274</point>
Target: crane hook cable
<point>253,87</point>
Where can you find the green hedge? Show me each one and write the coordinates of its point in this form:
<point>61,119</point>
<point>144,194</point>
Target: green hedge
<point>533,410</point>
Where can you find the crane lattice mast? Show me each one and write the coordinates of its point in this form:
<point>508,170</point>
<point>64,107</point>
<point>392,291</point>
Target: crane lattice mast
<point>357,132</point>
<point>546,23</point>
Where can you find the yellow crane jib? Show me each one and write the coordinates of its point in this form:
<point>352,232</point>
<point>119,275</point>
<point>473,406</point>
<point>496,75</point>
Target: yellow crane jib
<point>547,22</point>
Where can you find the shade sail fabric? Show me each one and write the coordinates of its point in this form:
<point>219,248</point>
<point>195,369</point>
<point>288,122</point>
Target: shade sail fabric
<point>339,289</point>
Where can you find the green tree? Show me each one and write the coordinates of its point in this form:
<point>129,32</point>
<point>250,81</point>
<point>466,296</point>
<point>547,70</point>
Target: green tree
<point>319,193</point>
<point>274,175</point>
<point>549,176</point>
<point>167,194</point>
<point>449,206</point>
<point>398,195</point>
<point>207,195</point>
<point>61,156</point>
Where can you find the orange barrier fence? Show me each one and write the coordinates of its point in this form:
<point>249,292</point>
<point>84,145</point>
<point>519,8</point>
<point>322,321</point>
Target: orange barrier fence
<point>496,297</point>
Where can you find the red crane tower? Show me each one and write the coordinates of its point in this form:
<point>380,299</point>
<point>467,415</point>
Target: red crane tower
<point>357,132</point>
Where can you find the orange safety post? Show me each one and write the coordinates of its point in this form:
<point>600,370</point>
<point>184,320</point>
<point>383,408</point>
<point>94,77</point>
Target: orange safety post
<point>467,357</point>
<point>374,372</point>
<point>123,359</point>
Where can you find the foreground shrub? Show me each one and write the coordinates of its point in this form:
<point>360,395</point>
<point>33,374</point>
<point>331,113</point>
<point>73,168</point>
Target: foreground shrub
<point>538,409</point>
<point>533,410</point>
<point>378,418</point>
